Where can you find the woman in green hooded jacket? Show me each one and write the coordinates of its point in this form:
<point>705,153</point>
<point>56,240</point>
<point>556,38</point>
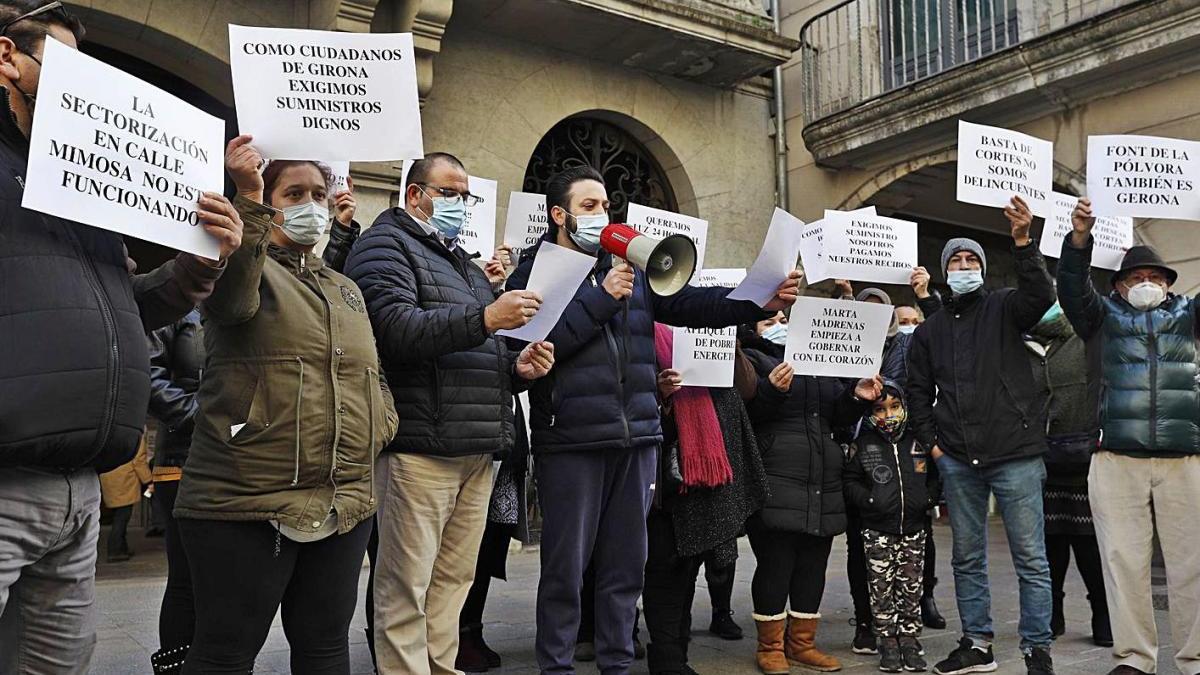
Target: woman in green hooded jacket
<point>277,496</point>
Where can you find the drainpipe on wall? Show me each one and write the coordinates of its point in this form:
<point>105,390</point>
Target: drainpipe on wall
<point>781,177</point>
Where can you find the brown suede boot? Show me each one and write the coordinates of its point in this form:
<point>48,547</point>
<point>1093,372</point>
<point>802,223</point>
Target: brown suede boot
<point>770,656</point>
<point>801,649</point>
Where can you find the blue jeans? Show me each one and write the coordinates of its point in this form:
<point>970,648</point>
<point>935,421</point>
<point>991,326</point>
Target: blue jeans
<point>1017,485</point>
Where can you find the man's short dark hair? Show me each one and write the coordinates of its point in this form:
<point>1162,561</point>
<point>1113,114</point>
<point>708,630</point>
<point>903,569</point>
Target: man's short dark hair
<point>28,34</point>
<point>558,188</point>
<point>422,169</point>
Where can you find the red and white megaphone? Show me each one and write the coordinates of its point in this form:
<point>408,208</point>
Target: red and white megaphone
<point>668,263</point>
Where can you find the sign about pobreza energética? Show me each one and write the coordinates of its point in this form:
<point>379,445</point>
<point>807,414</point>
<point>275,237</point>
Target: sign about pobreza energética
<point>306,94</point>
<point>704,357</point>
<point>112,151</point>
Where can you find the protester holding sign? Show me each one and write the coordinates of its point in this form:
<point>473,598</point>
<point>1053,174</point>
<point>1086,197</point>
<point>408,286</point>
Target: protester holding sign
<point>794,419</point>
<point>985,435</point>
<point>712,479</point>
<point>1145,478</point>
<point>74,381</point>
<point>596,424</point>
<point>436,316</point>
<point>275,504</point>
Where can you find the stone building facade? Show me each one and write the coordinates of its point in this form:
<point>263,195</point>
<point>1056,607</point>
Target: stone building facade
<point>665,93</point>
<point>875,91</point>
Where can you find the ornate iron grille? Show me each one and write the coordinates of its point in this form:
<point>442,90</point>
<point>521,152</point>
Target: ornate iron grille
<point>630,172</point>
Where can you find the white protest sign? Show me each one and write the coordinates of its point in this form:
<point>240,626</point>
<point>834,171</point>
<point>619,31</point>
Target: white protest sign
<point>1113,236</point>
<point>337,95</point>
<point>1144,177</point>
<point>341,175</point>
<point>704,356</point>
<point>994,164</point>
<point>526,220</point>
<point>863,247</point>
<point>775,261</point>
<point>812,252</point>
<point>659,224</point>
<point>557,273</point>
<point>479,231</point>
<point>110,150</point>
<point>837,338</point>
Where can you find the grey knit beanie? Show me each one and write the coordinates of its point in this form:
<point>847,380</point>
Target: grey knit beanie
<point>873,293</point>
<point>960,244</point>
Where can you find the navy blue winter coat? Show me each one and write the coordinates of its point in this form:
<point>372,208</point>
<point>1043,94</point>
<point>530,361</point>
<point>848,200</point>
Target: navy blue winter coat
<point>602,393</point>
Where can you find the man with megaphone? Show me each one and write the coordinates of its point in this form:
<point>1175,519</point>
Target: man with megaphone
<point>595,419</point>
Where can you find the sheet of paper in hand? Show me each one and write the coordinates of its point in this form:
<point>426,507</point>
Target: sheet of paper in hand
<point>812,244</point>
<point>557,274</point>
<point>1113,236</point>
<point>479,231</point>
<point>332,94</point>
<point>704,356</point>
<point>776,260</point>
<point>864,247</point>
<point>1144,177</point>
<point>837,338</point>
<point>659,224</point>
<point>110,150</point>
<point>995,164</point>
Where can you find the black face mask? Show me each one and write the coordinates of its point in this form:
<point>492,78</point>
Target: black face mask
<point>30,99</point>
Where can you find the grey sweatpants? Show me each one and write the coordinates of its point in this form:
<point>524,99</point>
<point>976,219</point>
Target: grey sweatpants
<point>49,525</point>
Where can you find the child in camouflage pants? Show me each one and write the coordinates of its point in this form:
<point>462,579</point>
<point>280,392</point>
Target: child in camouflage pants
<point>887,480</point>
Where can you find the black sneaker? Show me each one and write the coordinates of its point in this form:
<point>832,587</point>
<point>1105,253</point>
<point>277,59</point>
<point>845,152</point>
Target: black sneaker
<point>910,654</point>
<point>920,647</point>
<point>864,640</point>
<point>966,659</point>
<point>723,625</point>
<point>890,660</point>
<point>1038,662</point>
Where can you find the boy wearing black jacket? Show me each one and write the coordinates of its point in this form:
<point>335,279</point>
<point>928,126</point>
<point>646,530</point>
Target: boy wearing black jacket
<point>886,479</point>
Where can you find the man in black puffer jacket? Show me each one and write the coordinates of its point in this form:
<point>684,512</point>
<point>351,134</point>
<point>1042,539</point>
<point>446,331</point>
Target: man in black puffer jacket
<point>435,316</point>
<point>986,435</point>
<point>596,426</point>
<point>74,376</point>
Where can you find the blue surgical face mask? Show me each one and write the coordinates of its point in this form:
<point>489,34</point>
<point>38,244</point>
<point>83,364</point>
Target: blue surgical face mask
<point>776,333</point>
<point>305,223</point>
<point>907,330</point>
<point>1051,314</point>
<point>448,216</point>
<point>587,231</point>
<point>964,281</point>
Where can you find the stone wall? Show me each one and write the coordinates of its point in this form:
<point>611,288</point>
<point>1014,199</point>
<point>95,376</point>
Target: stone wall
<point>493,99</point>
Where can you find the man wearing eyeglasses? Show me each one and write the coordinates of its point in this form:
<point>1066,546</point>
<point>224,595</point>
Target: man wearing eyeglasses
<point>435,317</point>
<point>74,370</point>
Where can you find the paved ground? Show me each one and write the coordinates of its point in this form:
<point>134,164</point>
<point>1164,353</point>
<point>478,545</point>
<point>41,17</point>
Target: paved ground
<point>129,594</point>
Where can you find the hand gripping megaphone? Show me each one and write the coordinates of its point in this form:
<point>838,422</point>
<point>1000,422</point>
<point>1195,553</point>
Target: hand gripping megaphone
<point>668,263</point>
